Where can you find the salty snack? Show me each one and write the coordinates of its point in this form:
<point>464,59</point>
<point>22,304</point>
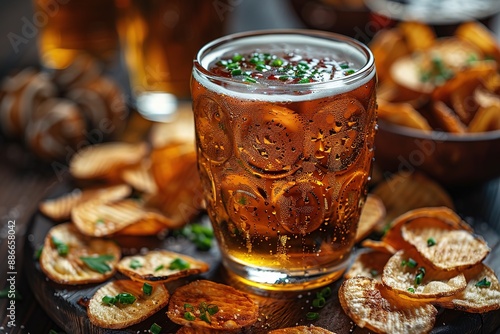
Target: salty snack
<point>369,264</point>
<point>444,247</point>
<point>370,304</point>
<point>301,330</point>
<point>482,293</point>
<point>122,303</point>
<point>160,266</point>
<point>140,177</point>
<point>206,304</point>
<point>106,161</point>
<point>409,275</point>
<point>60,208</point>
<point>68,257</point>
<point>97,218</point>
<point>372,214</point>
<point>406,191</point>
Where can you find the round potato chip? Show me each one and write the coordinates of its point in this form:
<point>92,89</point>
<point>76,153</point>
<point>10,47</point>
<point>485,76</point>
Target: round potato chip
<point>301,330</point>
<point>368,264</point>
<point>369,304</point>
<point>441,216</point>
<point>410,276</point>
<point>105,161</point>
<point>206,304</point>
<point>68,257</point>
<point>450,250</point>
<point>60,208</point>
<point>121,315</point>
<point>379,246</point>
<point>403,114</point>
<point>482,293</point>
<point>372,214</point>
<point>191,330</point>
<point>406,191</point>
<point>98,219</point>
<point>160,266</point>
<point>140,177</point>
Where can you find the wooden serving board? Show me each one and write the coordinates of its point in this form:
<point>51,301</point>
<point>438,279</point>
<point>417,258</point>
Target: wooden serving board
<point>277,310</point>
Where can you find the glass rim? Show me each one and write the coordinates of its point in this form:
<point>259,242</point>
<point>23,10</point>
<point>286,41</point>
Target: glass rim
<point>362,73</point>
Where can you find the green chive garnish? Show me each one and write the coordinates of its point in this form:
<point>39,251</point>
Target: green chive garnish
<point>237,57</point>
<point>178,264</point>
<point>412,290</point>
<point>431,242</point>
<point>160,267</point>
<point>125,298</point>
<point>484,283</point>
<point>312,315</point>
<point>61,247</point>
<point>373,272</point>
<point>108,300</point>
<point>410,263</point>
<point>349,72</point>
<point>250,79</point>
<point>155,328</point>
<point>147,289</point>
<point>319,302</point>
<point>98,263</point>
<point>134,264</point>
<point>236,72</point>
<point>212,309</point>
<point>189,316</point>
<point>326,292</point>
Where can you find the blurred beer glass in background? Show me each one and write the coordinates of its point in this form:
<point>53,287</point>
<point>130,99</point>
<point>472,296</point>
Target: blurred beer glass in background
<point>76,26</point>
<point>160,39</point>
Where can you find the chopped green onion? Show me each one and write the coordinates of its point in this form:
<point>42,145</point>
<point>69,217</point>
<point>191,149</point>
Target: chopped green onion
<point>305,80</point>
<point>155,328</point>
<point>61,247</point>
<point>233,66</point>
<point>160,267</point>
<point>147,289</point>
<point>431,242</point>
<point>420,275</point>
<point>108,300</point>
<point>134,264</point>
<point>373,272</point>
<point>312,315</point>
<point>212,309</point>
<point>319,302</point>
<point>250,79</point>
<point>188,307</point>
<point>484,283</point>
<point>344,66</point>
<point>349,72</point>
<point>205,317</point>
<point>178,264</point>
<point>326,292</point>
<point>189,316</point>
<point>125,298</point>
<point>237,57</point>
<point>261,67</point>
<point>412,290</point>
<point>98,263</point>
<point>38,253</point>
<point>99,221</point>
<point>236,72</point>
<point>410,263</point>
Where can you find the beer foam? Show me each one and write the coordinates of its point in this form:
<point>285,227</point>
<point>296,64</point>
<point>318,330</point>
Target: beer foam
<point>309,46</point>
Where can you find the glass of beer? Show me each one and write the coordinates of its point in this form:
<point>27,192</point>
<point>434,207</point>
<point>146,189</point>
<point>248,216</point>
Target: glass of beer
<point>285,125</point>
<point>160,39</point>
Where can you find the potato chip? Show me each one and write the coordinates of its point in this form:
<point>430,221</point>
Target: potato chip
<point>447,118</point>
<point>387,46</point>
<point>206,304</point>
<point>191,330</point>
<point>402,114</point>
<point>418,36</point>
<point>368,264</point>
<point>140,177</point>
<point>372,214</point>
<point>178,130</point>
<point>301,330</point>
<point>63,250</point>
<point>477,34</point>
<point>369,304</point>
<point>160,266</point>
<point>406,74</point>
<point>123,314</point>
<point>379,246</point>
<point>444,247</point>
<point>406,191</point>
<point>482,293</point>
<point>105,161</point>
<point>149,224</point>
<point>441,216</point>
<point>60,208</point>
<point>101,219</point>
<point>486,119</point>
<point>486,97</point>
<point>409,275</point>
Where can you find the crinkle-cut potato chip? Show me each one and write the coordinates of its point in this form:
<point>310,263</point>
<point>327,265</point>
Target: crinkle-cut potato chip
<point>401,278</point>
<point>60,208</point>
<point>106,161</point>
<point>368,264</point>
<point>477,34</point>
<point>447,118</point>
<point>120,315</point>
<point>179,130</point>
<point>477,297</point>
<point>149,224</point>
<point>102,219</point>
<point>406,191</point>
<point>418,36</point>
<point>486,119</point>
<point>154,266</point>
<point>379,246</point>
<point>403,114</point>
<point>140,177</point>
<point>453,249</point>
<point>372,214</point>
<point>437,216</point>
<point>301,330</point>
<point>212,305</point>
<point>370,304</point>
<point>69,268</point>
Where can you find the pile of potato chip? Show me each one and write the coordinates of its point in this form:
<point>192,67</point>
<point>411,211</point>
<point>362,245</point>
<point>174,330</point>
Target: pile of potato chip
<point>448,84</point>
<point>429,257</point>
